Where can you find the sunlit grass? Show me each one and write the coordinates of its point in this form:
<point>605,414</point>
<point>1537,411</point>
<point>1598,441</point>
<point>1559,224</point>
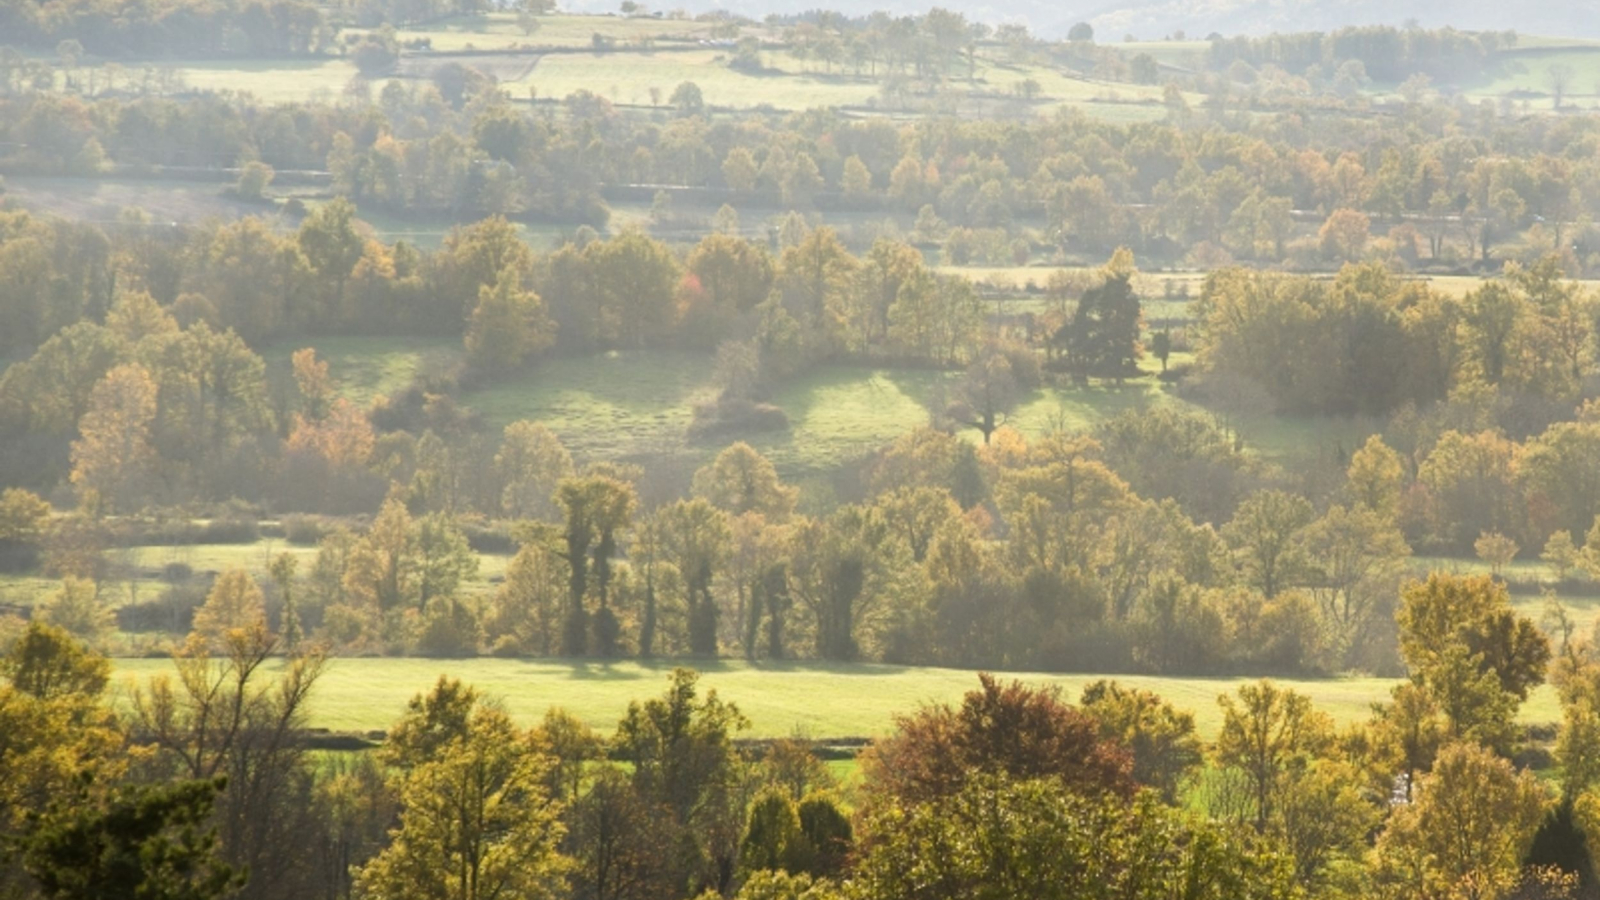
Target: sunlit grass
<point>818,699</point>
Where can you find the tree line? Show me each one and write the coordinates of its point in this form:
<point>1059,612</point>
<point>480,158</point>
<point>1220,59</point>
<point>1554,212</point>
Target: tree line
<point>1207,186</point>
<point>204,785</point>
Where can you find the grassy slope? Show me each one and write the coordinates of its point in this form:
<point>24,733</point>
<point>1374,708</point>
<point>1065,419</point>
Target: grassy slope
<point>822,700</point>
<point>363,368</point>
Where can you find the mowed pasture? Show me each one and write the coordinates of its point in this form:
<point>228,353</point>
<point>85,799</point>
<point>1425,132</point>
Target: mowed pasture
<point>819,700</point>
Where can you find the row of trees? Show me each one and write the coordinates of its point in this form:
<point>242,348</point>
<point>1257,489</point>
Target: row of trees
<point>457,146</point>
<point>170,28</point>
<point>1369,342</point>
<point>204,781</point>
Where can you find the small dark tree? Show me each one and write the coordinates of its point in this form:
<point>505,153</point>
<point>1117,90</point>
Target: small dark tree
<point>1102,340</point>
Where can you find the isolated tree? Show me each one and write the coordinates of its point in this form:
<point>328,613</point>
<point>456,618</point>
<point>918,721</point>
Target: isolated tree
<point>687,99</point>
<point>254,177</point>
<point>1559,76</point>
<point>234,603</point>
<point>1082,31</point>
<point>1561,554</point>
<point>1102,338</point>
<point>986,394</point>
<point>76,607</point>
<point>1495,549</point>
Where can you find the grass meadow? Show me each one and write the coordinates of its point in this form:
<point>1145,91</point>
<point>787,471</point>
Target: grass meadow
<point>816,699</point>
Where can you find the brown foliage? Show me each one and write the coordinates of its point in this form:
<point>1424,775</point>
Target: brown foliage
<point>1021,731</point>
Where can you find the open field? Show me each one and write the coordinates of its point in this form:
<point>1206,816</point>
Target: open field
<point>821,700</point>
<point>1531,70</point>
<point>365,368</point>
<point>101,200</point>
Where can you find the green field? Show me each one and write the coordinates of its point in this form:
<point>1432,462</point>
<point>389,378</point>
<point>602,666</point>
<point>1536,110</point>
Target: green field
<point>821,700</point>
<point>364,368</point>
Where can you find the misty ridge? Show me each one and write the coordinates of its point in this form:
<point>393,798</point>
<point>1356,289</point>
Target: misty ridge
<point>1155,19</point>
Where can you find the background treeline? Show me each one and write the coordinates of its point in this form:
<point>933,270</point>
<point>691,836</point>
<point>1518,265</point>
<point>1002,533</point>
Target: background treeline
<point>1384,53</point>
<point>1208,187</point>
<point>164,28</point>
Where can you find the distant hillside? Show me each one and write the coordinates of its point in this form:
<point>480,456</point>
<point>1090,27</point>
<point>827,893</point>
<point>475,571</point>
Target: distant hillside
<point>1148,19</point>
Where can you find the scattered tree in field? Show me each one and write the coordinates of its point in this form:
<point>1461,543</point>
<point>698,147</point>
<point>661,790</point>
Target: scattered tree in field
<point>1561,554</point>
<point>234,604</point>
<point>1495,549</point>
<point>76,607</point>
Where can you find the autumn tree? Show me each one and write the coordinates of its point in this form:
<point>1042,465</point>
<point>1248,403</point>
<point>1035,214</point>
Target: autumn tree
<point>999,837</point>
<point>507,326</point>
<point>113,453</point>
<point>1271,736</point>
<point>1470,651</point>
<point>530,463</point>
<point>1000,728</point>
<point>1161,740</point>
<point>476,821</point>
<point>740,480</point>
<point>1264,532</point>
<point>1466,834</point>
<point>234,603</point>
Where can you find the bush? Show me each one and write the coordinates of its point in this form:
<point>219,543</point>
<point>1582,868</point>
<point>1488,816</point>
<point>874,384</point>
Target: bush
<point>171,611</point>
<point>176,572</point>
<point>484,537</point>
<point>736,416</point>
<point>449,630</point>
<point>306,531</point>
